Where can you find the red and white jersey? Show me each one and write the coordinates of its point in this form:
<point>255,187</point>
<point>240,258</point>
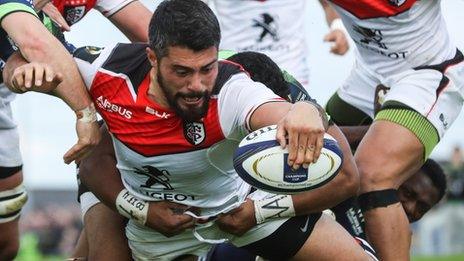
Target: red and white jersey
<point>273,27</point>
<point>160,156</point>
<point>395,35</point>
<point>74,10</point>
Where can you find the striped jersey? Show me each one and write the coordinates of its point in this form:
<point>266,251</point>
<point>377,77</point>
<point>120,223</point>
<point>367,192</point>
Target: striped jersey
<point>160,156</point>
<point>396,35</point>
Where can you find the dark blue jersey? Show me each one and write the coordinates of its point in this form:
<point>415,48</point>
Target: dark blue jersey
<point>7,7</point>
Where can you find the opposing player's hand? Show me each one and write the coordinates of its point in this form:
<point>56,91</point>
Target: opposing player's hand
<point>340,44</point>
<point>168,218</point>
<point>304,129</point>
<point>88,135</point>
<point>239,220</point>
<point>34,76</point>
<point>56,16</point>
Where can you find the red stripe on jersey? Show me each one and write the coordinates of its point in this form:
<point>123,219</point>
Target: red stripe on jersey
<point>73,10</point>
<point>144,126</point>
<point>366,9</point>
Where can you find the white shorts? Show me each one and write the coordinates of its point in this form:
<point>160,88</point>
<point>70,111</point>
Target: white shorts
<point>10,155</point>
<point>147,244</point>
<point>436,92</point>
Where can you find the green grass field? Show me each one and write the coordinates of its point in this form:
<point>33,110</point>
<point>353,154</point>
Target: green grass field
<point>439,258</point>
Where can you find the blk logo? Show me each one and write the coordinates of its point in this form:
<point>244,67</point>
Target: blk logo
<point>269,26</point>
<point>154,176</point>
<point>370,36</point>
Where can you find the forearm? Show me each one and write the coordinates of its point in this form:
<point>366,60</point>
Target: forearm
<point>330,13</point>
<point>133,21</point>
<point>100,168</point>
<point>343,186</point>
<point>38,45</point>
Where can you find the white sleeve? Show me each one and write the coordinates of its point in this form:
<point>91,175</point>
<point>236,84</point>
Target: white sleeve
<point>110,7</point>
<point>238,99</point>
<point>89,61</point>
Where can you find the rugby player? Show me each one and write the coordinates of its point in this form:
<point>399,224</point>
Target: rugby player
<point>276,28</point>
<point>193,73</point>
<point>408,77</point>
<point>21,29</point>
<point>261,68</point>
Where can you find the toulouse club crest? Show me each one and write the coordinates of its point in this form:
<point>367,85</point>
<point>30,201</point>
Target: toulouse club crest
<point>194,132</point>
<point>397,2</point>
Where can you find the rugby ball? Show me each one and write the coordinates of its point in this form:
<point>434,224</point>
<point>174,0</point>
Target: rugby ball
<point>261,162</point>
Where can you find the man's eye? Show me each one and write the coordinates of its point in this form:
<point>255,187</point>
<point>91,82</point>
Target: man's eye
<point>206,69</point>
<point>181,72</point>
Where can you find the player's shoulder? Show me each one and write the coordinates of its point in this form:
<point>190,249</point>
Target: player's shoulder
<point>11,6</point>
<point>125,60</point>
<point>226,71</point>
<point>117,58</point>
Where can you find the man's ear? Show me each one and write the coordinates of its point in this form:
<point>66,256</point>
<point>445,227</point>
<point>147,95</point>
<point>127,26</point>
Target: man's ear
<point>151,57</point>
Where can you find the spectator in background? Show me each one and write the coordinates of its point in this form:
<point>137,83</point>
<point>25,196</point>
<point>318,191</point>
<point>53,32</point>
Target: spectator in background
<point>455,171</point>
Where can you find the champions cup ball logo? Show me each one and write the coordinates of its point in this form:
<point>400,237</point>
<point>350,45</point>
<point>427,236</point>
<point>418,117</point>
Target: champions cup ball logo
<point>194,132</point>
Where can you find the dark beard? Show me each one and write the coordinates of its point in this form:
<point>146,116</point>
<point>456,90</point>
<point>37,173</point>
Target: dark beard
<point>187,115</point>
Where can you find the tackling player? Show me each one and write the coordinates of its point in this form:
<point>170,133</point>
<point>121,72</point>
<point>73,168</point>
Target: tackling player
<point>178,84</point>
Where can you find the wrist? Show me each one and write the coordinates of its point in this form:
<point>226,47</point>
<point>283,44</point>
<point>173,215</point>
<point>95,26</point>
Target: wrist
<point>337,24</point>
<point>129,206</point>
<point>276,206</point>
<point>88,114</point>
<point>322,113</point>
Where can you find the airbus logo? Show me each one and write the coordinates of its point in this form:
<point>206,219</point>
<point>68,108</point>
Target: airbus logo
<point>105,104</point>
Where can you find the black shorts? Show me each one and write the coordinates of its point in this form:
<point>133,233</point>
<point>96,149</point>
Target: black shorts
<point>287,240</point>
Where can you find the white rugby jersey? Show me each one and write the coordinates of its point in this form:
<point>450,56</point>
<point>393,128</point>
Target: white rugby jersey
<point>273,27</point>
<point>160,156</point>
<point>395,35</point>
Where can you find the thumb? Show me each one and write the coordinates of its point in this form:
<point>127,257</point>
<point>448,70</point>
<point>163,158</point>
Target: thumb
<point>330,37</point>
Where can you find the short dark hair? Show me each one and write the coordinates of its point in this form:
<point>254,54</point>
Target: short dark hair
<point>436,174</point>
<point>185,23</point>
<point>263,69</point>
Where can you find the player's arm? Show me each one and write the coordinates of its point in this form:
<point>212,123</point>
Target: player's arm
<point>133,20</point>
<point>343,186</point>
<point>38,45</point>
<point>100,168</point>
<point>336,34</point>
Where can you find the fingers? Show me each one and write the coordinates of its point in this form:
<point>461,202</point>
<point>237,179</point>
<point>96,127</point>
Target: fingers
<point>281,136</point>
<point>33,75</point>
<point>302,156</point>
<point>340,43</point>
<point>28,76</point>
<point>56,17</point>
<point>77,153</point>
<point>319,146</point>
